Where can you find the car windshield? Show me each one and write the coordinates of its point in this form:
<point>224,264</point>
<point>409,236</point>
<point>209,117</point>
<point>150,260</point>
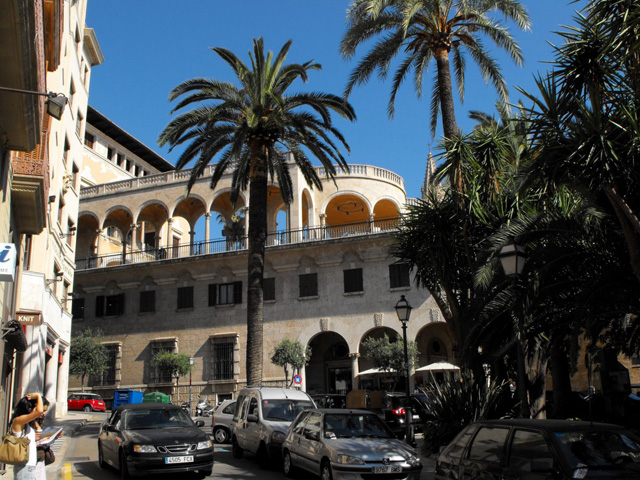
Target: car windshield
<point>347,425</point>
<point>144,419</point>
<point>283,410</point>
<point>599,448</point>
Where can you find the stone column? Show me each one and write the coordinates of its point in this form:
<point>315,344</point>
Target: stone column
<point>169,236</point>
<point>51,375</point>
<point>371,226</point>
<point>207,227</point>
<point>323,217</point>
<point>355,370</point>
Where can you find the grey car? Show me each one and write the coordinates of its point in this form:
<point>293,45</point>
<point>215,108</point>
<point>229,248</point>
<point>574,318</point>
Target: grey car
<point>221,421</point>
<point>340,443</point>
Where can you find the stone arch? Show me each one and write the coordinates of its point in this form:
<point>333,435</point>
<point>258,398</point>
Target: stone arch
<point>87,234</point>
<point>345,207</point>
<point>377,381</point>
<point>435,343</point>
<point>330,367</point>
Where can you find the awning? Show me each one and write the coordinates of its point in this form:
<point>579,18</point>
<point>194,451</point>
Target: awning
<point>440,366</point>
<point>373,371</point>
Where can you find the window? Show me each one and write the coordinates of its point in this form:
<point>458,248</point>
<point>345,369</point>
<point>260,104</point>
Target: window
<point>353,280</point>
<point>488,444</point>
<point>79,121</point>
<point>308,285</point>
<point>223,349</point>
<point>156,374</point>
<point>110,154</point>
<point>269,289</point>
<point>108,375</point>
<point>399,275</point>
<point>526,447</point>
<point>109,305</point>
<point>61,204</point>
<point>75,176</point>
<point>225,293</point>
<point>77,308</point>
<point>185,297</point>
<point>148,301</point>
<point>120,159</point>
<point>89,140</point>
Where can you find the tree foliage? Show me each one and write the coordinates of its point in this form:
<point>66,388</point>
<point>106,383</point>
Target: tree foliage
<point>388,356</point>
<point>253,130</point>
<point>87,355</point>
<point>174,364</point>
<point>290,354</point>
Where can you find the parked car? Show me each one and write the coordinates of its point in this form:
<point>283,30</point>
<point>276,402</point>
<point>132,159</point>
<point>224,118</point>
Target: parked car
<point>153,438</point>
<point>89,402</point>
<point>261,420</point>
<point>344,444</point>
<point>540,450</point>
<point>221,421</point>
<point>330,400</point>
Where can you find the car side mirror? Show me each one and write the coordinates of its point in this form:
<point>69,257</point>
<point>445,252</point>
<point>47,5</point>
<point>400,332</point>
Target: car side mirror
<point>110,428</point>
<point>252,418</point>
<point>199,423</point>
<point>542,465</point>
<point>312,436</point>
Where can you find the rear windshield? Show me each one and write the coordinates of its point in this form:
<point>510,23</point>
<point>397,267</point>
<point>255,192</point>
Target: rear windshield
<point>283,410</point>
<point>348,425</point>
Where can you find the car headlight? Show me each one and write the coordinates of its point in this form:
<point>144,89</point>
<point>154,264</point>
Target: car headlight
<point>144,449</point>
<point>349,460</point>
<point>277,437</point>
<point>203,445</point>
<point>413,461</point>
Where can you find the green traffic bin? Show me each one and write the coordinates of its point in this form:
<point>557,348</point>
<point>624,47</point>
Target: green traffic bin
<point>156,397</point>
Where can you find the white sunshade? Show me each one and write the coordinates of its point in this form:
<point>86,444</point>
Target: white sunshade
<point>373,371</point>
<point>441,366</point>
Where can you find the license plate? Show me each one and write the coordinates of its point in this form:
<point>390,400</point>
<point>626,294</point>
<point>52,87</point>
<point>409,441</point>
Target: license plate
<point>388,469</point>
<point>186,459</point>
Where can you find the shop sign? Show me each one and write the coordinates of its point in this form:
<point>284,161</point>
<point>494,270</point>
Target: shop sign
<point>28,318</point>
<point>7,262</point>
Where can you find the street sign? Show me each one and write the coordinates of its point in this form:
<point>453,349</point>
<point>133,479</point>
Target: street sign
<point>297,379</point>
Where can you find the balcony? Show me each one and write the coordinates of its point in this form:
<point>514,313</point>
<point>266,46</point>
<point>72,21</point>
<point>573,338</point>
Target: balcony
<point>30,187</point>
<point>226,245</point>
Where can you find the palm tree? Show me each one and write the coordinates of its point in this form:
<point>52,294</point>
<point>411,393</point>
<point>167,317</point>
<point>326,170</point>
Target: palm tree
<point>426,30</point>
<point>249,128</point>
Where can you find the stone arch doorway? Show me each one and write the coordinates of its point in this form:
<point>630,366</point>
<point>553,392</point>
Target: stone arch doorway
<point>375,381</point>
<point>330,368</point>
<point>435,343</point>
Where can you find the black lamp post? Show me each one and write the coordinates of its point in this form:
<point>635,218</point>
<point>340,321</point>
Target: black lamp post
<point>512,258</point>
<point>403,309</point>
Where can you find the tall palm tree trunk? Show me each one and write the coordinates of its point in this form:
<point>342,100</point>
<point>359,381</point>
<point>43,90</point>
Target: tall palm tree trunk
<point>257,242</point>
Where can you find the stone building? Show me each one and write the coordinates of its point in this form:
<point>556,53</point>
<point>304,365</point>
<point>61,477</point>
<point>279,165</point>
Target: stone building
<point>177,282</point>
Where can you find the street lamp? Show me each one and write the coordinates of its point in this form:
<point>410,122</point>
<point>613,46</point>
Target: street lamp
<point>191,362</point>
<point>403,310</point>
<point>55,101</point>
<point>512,258</point>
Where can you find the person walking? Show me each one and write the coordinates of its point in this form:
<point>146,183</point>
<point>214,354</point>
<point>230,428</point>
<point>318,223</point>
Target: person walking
<point>41,473</point>
<point>29,408</point>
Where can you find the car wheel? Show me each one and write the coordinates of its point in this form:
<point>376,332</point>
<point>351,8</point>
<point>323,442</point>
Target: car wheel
<point>101,462</point>
<point>220,435</point>
<point>325,471</point>
<point>287,465</point>
<point>236,450</point>
<point>87,408</point>
<point>124,470</point>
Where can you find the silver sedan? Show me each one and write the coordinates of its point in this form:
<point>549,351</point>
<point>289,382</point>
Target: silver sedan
<point>341,444</point>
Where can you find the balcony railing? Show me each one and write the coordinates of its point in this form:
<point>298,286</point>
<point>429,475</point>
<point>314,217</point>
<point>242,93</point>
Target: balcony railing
<point>285,237</point>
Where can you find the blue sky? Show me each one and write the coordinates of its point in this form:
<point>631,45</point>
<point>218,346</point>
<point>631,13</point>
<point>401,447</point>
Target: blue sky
<point>152,46</point>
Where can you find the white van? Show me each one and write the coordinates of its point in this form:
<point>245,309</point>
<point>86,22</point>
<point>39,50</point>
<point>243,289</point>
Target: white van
<point>263,415</point>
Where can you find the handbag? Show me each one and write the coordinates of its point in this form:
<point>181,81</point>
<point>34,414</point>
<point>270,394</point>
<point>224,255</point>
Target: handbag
<point>14,450</point>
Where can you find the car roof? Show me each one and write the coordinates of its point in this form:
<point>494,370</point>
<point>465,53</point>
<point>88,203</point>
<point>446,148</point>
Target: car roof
<point>269,393</point>
<point>550,424</point>
<point>147,406</point>
<point>341,411</point>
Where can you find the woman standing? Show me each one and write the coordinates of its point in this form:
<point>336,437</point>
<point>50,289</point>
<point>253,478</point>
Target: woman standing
<point>28,409</point>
